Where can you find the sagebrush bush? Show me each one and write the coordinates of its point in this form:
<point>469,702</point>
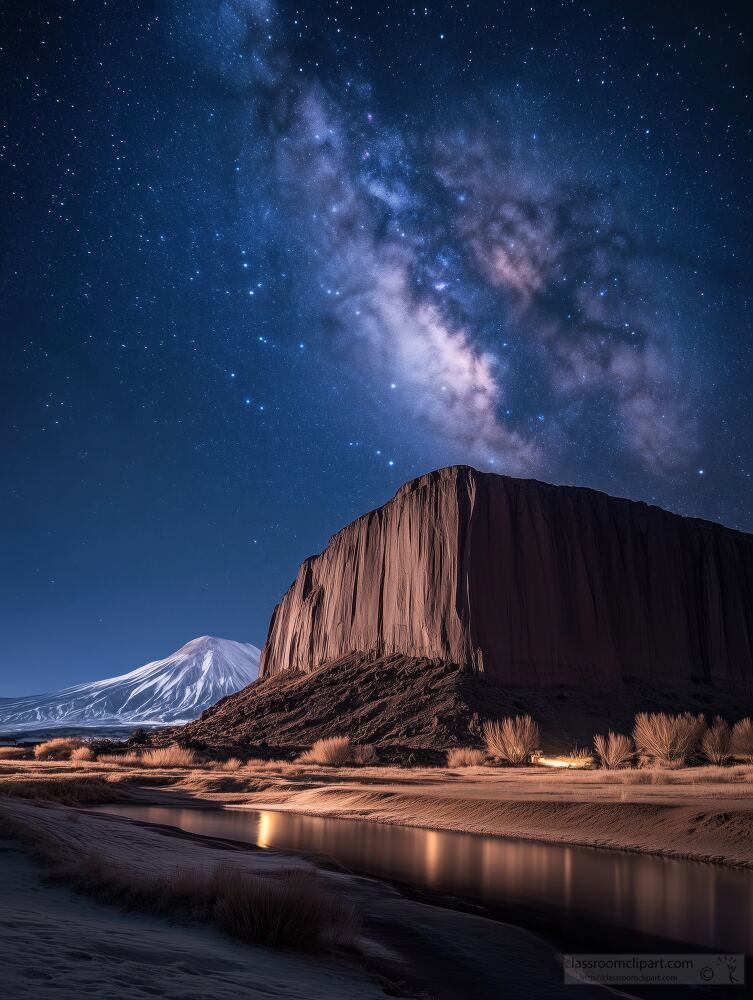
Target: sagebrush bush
<point>667,740</point>
<point>741,741</point>
<point>465,757</point>
<point>13,753</point>
<point>82,754</point>
<point>613,750</point>
<point>335,751</point>
<point>715,742</point>
<point>513,739</point>
<point>60,748</point>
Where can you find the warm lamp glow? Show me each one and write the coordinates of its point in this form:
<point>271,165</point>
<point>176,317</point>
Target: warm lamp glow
<point>560,762</point>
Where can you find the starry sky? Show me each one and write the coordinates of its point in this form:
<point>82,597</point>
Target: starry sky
<point>262,262</point>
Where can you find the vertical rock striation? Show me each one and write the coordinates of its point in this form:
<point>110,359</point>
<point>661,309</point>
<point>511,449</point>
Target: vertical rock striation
<point>530,584</point>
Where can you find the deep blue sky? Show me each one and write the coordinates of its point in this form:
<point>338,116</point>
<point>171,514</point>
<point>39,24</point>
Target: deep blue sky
<point>262,263</point>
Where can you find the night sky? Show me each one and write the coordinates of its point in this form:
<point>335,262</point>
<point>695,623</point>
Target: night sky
<point>262,263</point>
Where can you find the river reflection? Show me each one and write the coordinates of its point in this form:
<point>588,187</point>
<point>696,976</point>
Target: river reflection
<point>687,901</point>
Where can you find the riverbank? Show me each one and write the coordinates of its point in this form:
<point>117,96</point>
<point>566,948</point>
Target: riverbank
<point>710,822</point>
<point>703,814</point>
<point>65,944</point>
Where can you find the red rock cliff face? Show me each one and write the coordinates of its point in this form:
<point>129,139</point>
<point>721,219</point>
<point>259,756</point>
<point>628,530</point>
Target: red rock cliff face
<point>531,584</point>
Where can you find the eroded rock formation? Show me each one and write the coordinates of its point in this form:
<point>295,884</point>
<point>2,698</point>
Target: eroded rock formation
<point>528,583</point>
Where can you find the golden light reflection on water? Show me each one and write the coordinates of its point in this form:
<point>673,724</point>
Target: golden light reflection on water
<point>686,901</point>
<point>265,830</point>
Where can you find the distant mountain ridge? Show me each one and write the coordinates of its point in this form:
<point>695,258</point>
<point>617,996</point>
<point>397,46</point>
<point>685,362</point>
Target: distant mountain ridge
<point>173,690</point>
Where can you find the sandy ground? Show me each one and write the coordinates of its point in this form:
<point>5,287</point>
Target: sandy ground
<point>95,950</point>
<point>58,945</point>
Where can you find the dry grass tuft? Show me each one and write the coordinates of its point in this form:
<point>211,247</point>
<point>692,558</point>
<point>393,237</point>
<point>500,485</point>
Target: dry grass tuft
<point>667,740</point>
<point>365,755</point>
<point>613,750</point>
<point>333,752</point>
<point>172,756</point>
<point>122,759</point>
<point>231,764</point>
<point>513,739</point>
<point>82,754</point>
<point>465,757</point>
<point>60,748</point>
<point>295,910</point>
<point>715,742</point>
<point>69,790</point>
<point>741,741</point>
<point>14,753</point>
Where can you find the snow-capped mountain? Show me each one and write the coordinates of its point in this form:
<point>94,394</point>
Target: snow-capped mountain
<point>174,690</point>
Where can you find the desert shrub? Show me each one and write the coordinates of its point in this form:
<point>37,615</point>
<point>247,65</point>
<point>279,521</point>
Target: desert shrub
<point>513,739</point>
<point>336,751</point>
<point>139,736</point>
<point>82,754</point>
<point>13,753</point>
<point>365,755</point>
<point>465,757</point>
<point>57,749</point>
<point>613,750</point>
<point>667,740</point>
<point>171,756</point>
<point>715,742</point>
<point>741,741</point>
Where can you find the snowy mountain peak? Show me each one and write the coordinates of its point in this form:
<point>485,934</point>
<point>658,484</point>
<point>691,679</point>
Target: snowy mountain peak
<point>173,690</point>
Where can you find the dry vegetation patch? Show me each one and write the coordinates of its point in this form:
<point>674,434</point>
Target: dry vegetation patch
<point>169,756</point>
<point>60,748</point>
<point>172,756</point>
<point>67,789</point>
<point>667,740</point>
<point>335,751</point>
<point>614,750</point>
<point>741,741</point>
<point>513,739</point>
<point>288,909</point>
<point>465,757</point>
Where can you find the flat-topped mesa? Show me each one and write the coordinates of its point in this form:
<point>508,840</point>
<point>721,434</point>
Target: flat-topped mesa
<point>530,583</point>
